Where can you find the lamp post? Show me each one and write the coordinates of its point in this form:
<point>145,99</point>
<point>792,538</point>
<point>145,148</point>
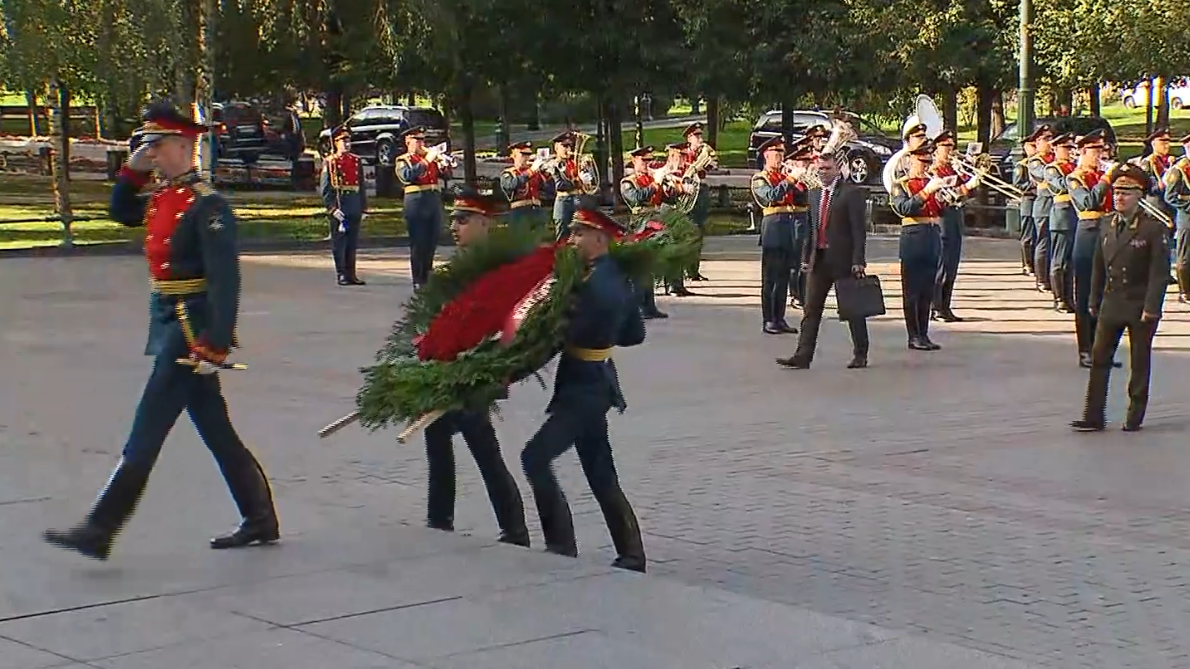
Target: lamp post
<point>1024,100</point>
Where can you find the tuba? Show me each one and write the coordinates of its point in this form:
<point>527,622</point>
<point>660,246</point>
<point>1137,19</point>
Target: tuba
<point>706,158</point>
<point>841,133</point>
<point>924,112</point>
<point>588,170</point>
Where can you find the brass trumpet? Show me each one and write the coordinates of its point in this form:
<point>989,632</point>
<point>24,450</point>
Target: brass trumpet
<point>969,169</point>
<point>444,159</point>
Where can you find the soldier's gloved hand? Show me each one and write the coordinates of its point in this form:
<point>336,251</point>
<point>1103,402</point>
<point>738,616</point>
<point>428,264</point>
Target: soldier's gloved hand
<point>432,155</point>
<point>206,368</point>
<point>342,227</point>
<point>140,161</point>
<point>796,172</point>
<point>935,184</point>
<point>339,215</point>
<point>587,178</point>
<point>363,217</point>
<point>535,166</point>
<point>973,182</point>
<point>1150,317</point>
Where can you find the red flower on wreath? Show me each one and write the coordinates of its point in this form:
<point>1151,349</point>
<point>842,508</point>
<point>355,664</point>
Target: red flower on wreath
<point>480,311</point>
<point>651,228</point>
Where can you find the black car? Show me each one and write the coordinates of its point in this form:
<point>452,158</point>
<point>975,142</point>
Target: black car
<point>283,133</point>
<point>375,131</point>
<point>240,130</point>
<point>1004,145</point>
<point>866,154</point>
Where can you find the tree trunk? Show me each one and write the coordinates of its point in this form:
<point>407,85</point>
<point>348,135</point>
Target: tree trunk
<point>1162,103</point>
<point>505,135</point>
<point>696,105</point>
<point>411,100</point>
<point>614,123</point>
<point>712,130</point>
<point>34,113</point>
<point>1149,108</point>
<point>983,121</point>
<point>60,162</point>
<point>332,113</point>
<point>998,114</point>
<point>950,109</point>
<point>204,82</point>
<point>467,116</point>
<point>64,106</point>
<point>602,137</point>
<point>535,113</point>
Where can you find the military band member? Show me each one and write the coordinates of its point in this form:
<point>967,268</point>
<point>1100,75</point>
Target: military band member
<point>563,171</point>
<point>1176,184</point>
<point>675,165</point>
<point>643,194</point>
<point>817,135</point>
<point>798,162</point>
<point>915,198</point>
<point>775,192</point>
<point>1131,271</point>
<point>1043,138</point>
<point>471,217</point>
<point>421,170</point>
<point>702,204</point>
<point>1028,189</point>
<point>1156,164</point>
<point>521,184</point>
<point>346,199</point>
<point>952,225</point>
<point>1063,221</point>
<point>1090,192</point>
<point>585,389</point>
<point>190,245</point>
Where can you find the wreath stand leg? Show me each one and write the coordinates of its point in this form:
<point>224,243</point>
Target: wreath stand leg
<point>338,425</point>
<point>419,425</point>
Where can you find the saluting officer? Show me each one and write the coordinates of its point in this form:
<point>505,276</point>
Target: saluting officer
<point>346,200</point>
<point>1043,137</point>
<point>702,204</point>
<point>585,389</point>
<point>1131,271</point>
<point>1028,189</point>
<point>421,170</point>
<point>643,194</point>
<point>915,198</point>
<point>563,171</point>
<point>1177,195</point>
<point>1090,192</point>
<point>1063,221</point>
<point>521,184</point>
<point>194,270</point>
<point>774,190</point>
<point>471,217</point>
<point>952,227</point>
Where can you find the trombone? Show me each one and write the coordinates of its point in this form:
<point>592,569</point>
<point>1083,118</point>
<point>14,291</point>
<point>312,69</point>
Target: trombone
<point>969,169</point>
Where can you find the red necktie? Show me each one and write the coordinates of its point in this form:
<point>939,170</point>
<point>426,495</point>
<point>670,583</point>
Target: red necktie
<point>823,214</point>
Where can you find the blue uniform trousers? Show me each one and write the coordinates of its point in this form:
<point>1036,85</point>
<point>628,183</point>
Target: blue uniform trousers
<point>344,242</point>
<point>949,258</point>
<point>801,235</point>
<point>564,206</point>
<point>1082,261</point>
<point>480,436</point>
<point>423,217</point>
<point>646,296</point>
<point>579,421</point>
<point>1181,262</point>
<point>920,252</point>
<point>1028,241</point>
<point>698,216</point>
<point>1061,247</point>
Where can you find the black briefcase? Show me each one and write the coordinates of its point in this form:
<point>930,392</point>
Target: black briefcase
<point>859,298</point>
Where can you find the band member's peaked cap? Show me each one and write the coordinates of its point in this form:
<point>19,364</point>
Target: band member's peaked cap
<point>801,149</point>
<point>1092,139</point>
<point>416,132</point>
<point>1065,139</point>
<point>1039,132</point>
<point>521,147</point>
<point>1159,133</point>
<point>340,132</point>
<point>563,138</point>
<point>772,144</point>
<point>1130,177</point>
<point>678,146</point>
<point>593,218</point>
<point>642,152</point>
<point>162,119</point>
<point>692,129</point>
<point>927,147</point>
<point>945,136</point>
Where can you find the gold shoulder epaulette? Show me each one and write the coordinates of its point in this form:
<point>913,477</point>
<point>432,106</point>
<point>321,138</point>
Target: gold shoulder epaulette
<point>203,188</point>
<point>759,175</point>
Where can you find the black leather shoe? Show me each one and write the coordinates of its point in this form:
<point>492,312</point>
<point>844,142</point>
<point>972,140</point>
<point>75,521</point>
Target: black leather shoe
<point>636,564</point>
<point>918,344</point>
<point>1132,426</point>
<point>949,317</point>
<point>88,539</point>
<point>518,538</point>
<point>682,292</point>
<point>858,362</point>
<point>343,281</point>
<point>356,281</point>
<point>786,328</point>
<point>650,315</point>
<point>441,525</point>
<point>565,551</point>
<point>930,346</point>
<point>1087,426</point>
<point>771,328</point>
<point>250,532</point>
<point>793,362</point>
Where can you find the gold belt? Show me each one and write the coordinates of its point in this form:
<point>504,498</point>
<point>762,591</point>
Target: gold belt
<point>525,203</point>
<point>784,209</point>
<point>1062,198</point>
<point>418,188</point>
<point>178,287</point>
<point>1090,215</point>
<point>589,354</point>
<point>563,193</point>
<point>910,220</point>
<point>347,189</point>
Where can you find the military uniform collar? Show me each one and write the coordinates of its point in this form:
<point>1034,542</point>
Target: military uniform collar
<point>184,179</point>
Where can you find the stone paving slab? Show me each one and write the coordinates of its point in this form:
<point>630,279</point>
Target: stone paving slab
<point>940,496</point>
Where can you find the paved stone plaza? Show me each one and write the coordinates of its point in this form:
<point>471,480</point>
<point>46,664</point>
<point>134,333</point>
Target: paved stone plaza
<point>932,511</point>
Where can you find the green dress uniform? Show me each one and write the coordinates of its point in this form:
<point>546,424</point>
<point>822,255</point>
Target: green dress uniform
<point>1042,204</point>
<point>1131,272</point>
<point>190,245</point>
<point>423,208</point>
<point>586,387</point>
<point>643,194</point>
<point>1028,189</point>
<point>1062,223</point>
<point>522,187</point>
<point>1177,195</point>
<point>701,211</point>
<point>776,194</point>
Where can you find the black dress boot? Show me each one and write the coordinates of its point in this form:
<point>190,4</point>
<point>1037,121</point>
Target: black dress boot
<point>254,498</point>
<point>94,536</point>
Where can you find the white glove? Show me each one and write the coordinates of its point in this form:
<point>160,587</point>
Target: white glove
<point>535,166</point>
<point>432,155</point>
<point>139,160</point>
<point>363,217</point>
<point>206,368</point>
<point>688,189</point>
<point>973,182</point>
<point>936,184</point>
<point>587,178</point>
<point>342,228</point>
<point>796,172</point>
<point>339,215</point>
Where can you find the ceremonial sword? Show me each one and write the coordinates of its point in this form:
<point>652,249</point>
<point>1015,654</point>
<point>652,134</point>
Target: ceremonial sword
<point>191,362</point>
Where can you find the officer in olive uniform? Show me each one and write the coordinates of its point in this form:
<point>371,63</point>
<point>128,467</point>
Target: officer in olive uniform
<point>643,194</point>
<point>421,170</point>
<point>1043,138</point>
<point>346,199</point>
<point>470,219</point>
<point>190,243</point>
<point>522,184</point>
<point>1176,194</point>
<point>1028,189</point>
<point>1131,272</point>
<point>1062,223</point>
<point>774,190</point>
<point>586,387</point>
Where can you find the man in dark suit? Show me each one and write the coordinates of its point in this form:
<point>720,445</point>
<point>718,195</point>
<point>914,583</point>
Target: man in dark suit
<point>835,250</point>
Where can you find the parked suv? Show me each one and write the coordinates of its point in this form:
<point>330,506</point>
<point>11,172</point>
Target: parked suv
<point>1004,144</point>
<point>866,154</point>
<point>1138,96</point>
<point>239,127</point>
<point>375,131</point>
<point>283,133</point>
